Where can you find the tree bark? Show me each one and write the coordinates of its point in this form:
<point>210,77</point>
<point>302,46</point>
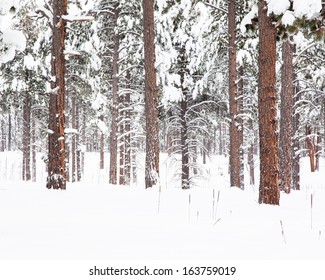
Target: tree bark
<point>101,146</point>
<point>286,113</point>
<point>184,145</point>
<point>151,96</point>
<point>78,151</point>
<point>318,151</point>
<point>240,109</point>
<point>310,141</point>
<point>127,139</point>
<point>3,136</point>
<point>33,146</point>
<point>26,137</point>
<point>250,156</point>
<point>114,127</point>
<point>9,130</point>
<point>121,139</point>
<point>73,137</point>
<point>56,157</point>
<point>267,110</point>
<point>296,144</point>
<point>234,153</point>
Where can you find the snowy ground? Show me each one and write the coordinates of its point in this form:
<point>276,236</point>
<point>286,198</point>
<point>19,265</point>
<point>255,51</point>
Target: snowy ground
<point>94,220</point>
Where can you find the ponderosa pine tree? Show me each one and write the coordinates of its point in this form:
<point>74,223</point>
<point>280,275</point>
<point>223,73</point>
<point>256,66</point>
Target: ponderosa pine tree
<point>234,153</point>
<point>56,147</point>
<point>286,122</point>
<point>267,109</point>
<point>115,88</point>
<point>151,96</point>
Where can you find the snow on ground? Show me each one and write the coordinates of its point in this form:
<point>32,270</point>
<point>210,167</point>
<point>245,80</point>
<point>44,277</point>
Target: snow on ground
<point>95,220</point>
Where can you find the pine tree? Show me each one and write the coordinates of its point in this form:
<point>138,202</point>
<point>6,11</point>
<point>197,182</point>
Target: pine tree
<point>286,113</point>
<point>56,154</point>
<point>267,111</point>
<point>151,96</point>
<point>234,153</point>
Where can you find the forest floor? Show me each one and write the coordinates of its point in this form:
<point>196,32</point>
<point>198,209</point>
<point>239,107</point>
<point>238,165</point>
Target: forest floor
<point>95,220</point>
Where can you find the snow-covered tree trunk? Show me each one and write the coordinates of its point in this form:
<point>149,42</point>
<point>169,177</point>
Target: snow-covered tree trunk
<point>267,109</point>
<point>56,154</point>
<point>151,96</point>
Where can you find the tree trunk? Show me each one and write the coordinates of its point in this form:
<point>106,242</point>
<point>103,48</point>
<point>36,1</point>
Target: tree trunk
<point>127,139</point>
<point>83,136</point>
<point>9,130</point>
<point>3,136</point>
<point>113,136</point>
<point>68,139</point>
<point>26,137</point>
<point>184,146</point>
<point>250,159</point>
<point>33,147</point>
<point>267,110</point>
<point>56,157</point>
<point>240,109</point>
<point>286,132</point>
<point>318,151</point>
<point>296,145</point>
<point>220,139</point>
<point>151,96</point>
<point>101,146</point>
<point>234,153</point>
<point>78,150</point>
<point>121,141</point>
<point>195,169</point>
<point>73,137</point>
<point>204,149</point>
<point>310,142</point>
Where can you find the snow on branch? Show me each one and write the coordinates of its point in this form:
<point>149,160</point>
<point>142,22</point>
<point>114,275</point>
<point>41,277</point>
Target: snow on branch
<point>215,7</point>
<point>71,18</point>
<point>71,53</point>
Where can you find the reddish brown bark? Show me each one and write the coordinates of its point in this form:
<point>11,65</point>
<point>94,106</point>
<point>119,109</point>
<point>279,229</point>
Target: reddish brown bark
<point>56,157</point>
<point>269,161</point>
<point>151,96</point>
